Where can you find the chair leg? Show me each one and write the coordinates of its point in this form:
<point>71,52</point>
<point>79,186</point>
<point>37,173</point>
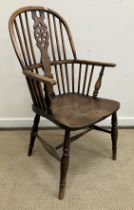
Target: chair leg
<point>114,135</point>
<point>64,164</point>
<point>34,132</point>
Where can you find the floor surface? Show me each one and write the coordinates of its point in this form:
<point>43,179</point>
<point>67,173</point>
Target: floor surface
<point>94,182</point>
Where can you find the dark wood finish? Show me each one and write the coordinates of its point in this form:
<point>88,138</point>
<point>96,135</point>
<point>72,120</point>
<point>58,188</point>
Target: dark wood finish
<point>39,78</point>
<point>95,63</point>
<point>85,78</point>
<point>101,129</point>
<point>114,135</point>
<point>60,84</point>
<point>78,111</point>
<point>75,137</point>
<point>34,132</point>
<point>64,164</point>
<point>98,83</point>
<point>90,79</point>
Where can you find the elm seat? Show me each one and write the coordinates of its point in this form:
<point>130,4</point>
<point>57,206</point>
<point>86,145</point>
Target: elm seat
<point>63,88</point>
<point>78,111</point>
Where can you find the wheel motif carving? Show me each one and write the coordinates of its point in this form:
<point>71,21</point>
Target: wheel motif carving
<point>40,30</point>
<point>41,35</point>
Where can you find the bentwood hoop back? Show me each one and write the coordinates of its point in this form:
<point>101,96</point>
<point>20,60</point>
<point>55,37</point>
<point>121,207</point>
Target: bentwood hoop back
<point>63,88</point>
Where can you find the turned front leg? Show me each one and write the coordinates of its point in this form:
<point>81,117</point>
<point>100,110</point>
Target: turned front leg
<point>114,135</point>
<point>64,164</point>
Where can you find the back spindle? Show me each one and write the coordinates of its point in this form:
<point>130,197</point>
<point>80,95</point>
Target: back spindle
<point>25,39</point>
<point>90,80</point>
<point>64,53</point>
<point>72,78</point>
<point>79,78</point>
<point>20,44</point>
<point>85,79</point>
<point>53,51</point>
<point>59,52</point>
<point>30,39</point>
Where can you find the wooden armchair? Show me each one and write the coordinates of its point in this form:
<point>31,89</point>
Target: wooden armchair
<point>59,83</point>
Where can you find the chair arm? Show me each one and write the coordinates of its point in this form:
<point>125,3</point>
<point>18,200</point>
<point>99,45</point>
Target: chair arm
<point>95,63</point>
<point>39,78</point>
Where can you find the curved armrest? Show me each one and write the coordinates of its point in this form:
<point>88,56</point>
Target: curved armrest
<point>38,77</point>
<point>96,63</point>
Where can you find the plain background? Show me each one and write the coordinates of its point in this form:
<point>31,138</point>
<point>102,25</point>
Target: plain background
<point>102,30</point>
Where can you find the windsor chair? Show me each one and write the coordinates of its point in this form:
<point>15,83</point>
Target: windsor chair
<point>59,83</point>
